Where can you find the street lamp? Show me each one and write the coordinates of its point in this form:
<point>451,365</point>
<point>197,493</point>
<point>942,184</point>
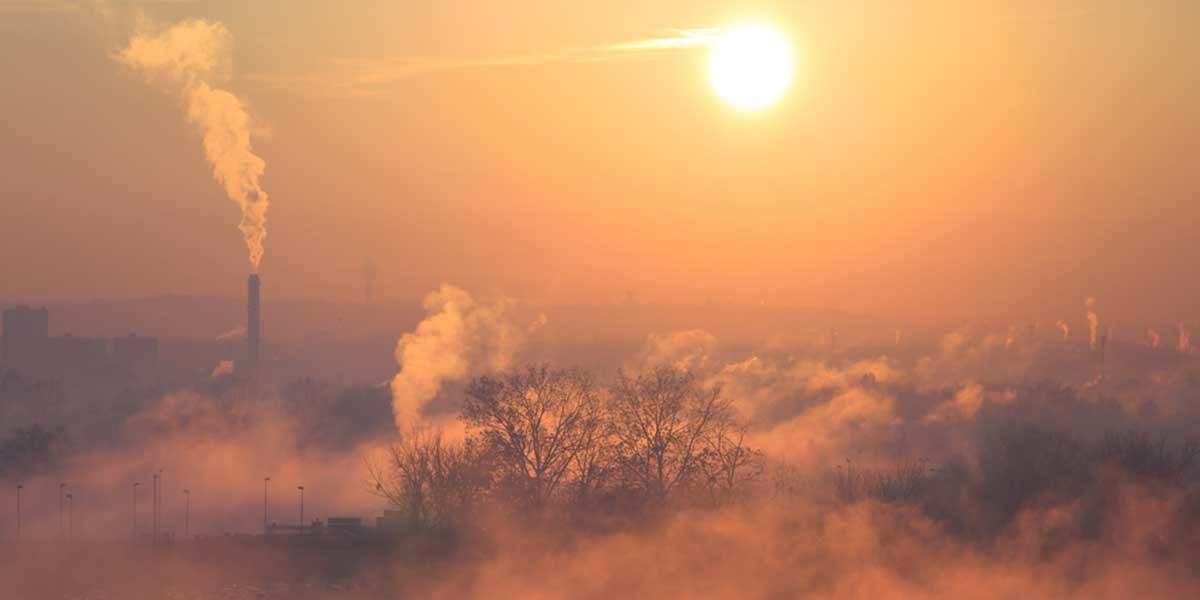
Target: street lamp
<point>154,507</point>
<point>266,480</point>
<point>70,516</point>
<point>301,488</point>
<point>158,503</point>
<point>19,488</point>
<point>61,531</point>
<point>187,513</point>
<point>135,489</point>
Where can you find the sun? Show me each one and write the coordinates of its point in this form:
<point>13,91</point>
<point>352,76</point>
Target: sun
<point>751,66</point>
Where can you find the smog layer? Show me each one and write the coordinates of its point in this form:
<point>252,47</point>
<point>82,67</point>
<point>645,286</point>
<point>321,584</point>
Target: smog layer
<point>514,458</point>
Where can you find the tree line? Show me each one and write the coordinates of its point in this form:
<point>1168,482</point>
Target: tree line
<point>541,438</point>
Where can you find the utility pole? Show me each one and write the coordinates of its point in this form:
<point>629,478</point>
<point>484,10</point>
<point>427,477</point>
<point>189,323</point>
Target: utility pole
<point>71,516</point>
<point>266,480</point>
<point>301,488</point>
<point>187,513</point>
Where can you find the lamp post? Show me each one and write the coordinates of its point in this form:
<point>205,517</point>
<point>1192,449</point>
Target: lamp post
<point>158,505</point>
<point>266,480</point>
<point>187,513</point>
<point>61,530</point>
<point>19,488</point>
<point>71,516</point>
<point>135,489</point>
<point>154,507</point>
<point>301,488</point>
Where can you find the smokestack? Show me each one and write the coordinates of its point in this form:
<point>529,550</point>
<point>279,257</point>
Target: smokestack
<point>253,320</point>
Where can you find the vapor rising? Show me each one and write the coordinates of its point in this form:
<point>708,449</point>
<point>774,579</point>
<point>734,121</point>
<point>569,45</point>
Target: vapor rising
<point>185,59</point>
<point>460,337</point>
<point>1093,323</point>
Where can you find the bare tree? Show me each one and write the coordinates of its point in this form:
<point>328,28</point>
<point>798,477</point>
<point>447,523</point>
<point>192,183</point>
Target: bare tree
<point>729,463</point>
<point>541,425</point>
<point>433,483</point>
<point>665,423</point>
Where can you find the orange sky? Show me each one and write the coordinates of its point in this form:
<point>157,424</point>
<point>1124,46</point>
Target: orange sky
<point>999,159</point>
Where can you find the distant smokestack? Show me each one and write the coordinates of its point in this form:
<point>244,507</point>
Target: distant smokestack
<point>253,320</point>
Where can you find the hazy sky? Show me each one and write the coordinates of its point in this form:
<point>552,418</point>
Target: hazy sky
<point>1001,159</point>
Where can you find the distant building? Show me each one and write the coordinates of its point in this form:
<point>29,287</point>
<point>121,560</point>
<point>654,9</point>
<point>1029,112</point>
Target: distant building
<point>345,525</point>
<point>29,349</point>
<point>26,331</point>
<point>73,354</point>
<point>135,353</point>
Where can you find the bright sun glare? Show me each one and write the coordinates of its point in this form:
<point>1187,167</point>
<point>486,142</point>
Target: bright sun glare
<point>751,66</point>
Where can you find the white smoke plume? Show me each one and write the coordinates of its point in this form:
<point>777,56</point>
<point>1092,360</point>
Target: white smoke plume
<point>1064,328</point>
<point>691,350</point>
<point>459,338</point>
<point>1185,339</point>
<point>222,369</point>
<point>236,333</point>
<point>1093,323</point>
<point>538,323</point>
<point>1155,338</point>
<point>185,59</point>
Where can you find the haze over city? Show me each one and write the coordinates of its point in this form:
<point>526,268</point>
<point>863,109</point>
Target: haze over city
<point>568,300</point>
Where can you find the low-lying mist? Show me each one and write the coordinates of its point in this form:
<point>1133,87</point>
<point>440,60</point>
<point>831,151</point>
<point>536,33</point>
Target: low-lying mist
<point>984,464</point>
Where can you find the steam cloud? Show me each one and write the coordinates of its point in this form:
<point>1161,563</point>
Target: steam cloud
<point>690,350</point>
<point>222,369</point>
<point>236,333</point>
<point>1093,323</point>
<point>460,337</point>
<point>184,59</point>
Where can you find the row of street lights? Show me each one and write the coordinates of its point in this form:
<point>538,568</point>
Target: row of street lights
<point>266,521</point>
<point>157,481</point>
<point>66,503</point>
<point>66,509</point>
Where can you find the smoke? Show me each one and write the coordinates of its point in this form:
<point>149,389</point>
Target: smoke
<point>538,323</point>
<point>1064,328</point>
<point>184,59</point>
<point>1185,339</point>
<point>236,333</point>
<point>1093,323</point>
<point>690,350</point>
<point>219,447</point>
<point>459,338</point>
<point>999,512</point>
<point>1155,338</point>
<point>222,369</point>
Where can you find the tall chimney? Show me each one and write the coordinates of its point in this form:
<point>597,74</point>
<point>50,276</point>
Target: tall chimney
<point>253,320</point>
